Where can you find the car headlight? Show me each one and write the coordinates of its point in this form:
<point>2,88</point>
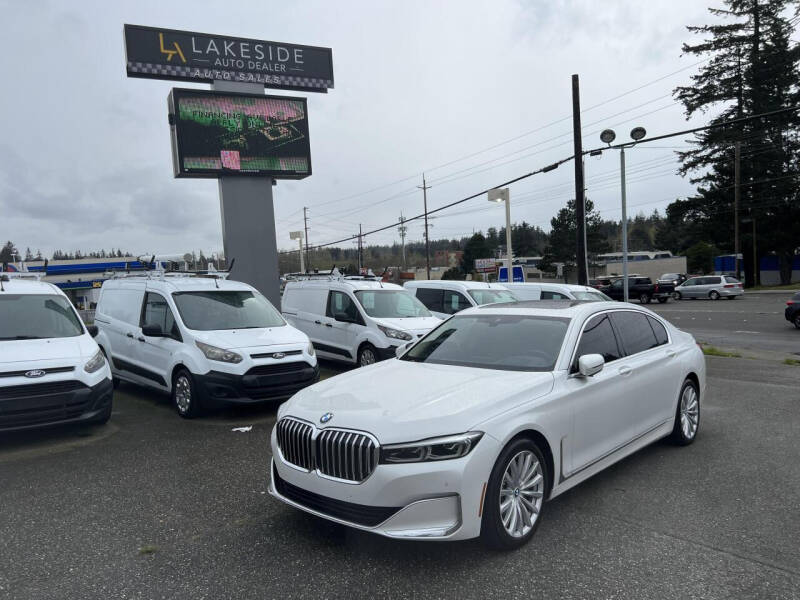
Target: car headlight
<point>440,448</point>
<point>214,353</point>
<point>395,334</point>
<point>95,363</point>
<point>310,349</point>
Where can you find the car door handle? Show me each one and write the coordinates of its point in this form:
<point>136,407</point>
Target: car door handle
<point>141,339</point>
<point>625,371</point>
<point>328,325</point>
<point>670,353</point>
<point>318,322</point>
<point>129,334</point>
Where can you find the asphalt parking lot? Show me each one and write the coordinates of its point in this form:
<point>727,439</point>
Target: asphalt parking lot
<point>152,506</point>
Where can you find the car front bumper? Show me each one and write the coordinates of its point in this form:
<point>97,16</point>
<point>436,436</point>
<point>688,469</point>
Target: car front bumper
<point>216,387</point>
<point>440,500</point>
<point>53,403</point>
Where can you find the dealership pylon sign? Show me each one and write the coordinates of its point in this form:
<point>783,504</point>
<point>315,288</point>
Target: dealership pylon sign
<point>157,53</point>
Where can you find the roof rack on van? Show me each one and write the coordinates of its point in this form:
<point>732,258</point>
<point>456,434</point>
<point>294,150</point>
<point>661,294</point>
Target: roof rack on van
<point>162,274</point>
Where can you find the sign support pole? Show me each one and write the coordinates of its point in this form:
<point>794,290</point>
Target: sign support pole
<point>248,221</point>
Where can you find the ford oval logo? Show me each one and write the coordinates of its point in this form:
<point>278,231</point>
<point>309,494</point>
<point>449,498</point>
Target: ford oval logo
<point>35,373</point>
<point>326,417</point>
<point>278,355</point>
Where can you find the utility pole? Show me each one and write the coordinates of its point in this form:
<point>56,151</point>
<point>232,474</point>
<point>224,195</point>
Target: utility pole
<point>305,226</point>
<point>425,188</point>
<point>360,257</point>
<point>580,202</point>
<point>402,231</point>
<point>736,198</point>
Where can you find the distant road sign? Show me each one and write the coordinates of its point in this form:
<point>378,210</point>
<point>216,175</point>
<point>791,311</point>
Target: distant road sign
<point>156,53</point>
<point>485,265</point>
<point>519,276</point>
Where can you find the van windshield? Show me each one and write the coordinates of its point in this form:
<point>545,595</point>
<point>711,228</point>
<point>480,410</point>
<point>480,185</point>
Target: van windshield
<point>37,316</point>
<point>391,304</point>
<point>490,296</point>
<point>221,309</point>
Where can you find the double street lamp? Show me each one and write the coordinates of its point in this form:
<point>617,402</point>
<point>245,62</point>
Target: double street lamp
<point>503,195</point>
<point>607,136</point>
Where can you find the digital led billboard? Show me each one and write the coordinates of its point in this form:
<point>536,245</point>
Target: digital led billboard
<point>223,133</point>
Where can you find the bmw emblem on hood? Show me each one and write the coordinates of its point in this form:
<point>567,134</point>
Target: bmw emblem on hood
<point>34,373</point>
<point>326,417</point>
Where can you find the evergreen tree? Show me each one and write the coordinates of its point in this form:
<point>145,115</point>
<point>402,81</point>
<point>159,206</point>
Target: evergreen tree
<point>752,69</point>
<point>476,247</point>
<point>562,246</point>
<point>8,253</point>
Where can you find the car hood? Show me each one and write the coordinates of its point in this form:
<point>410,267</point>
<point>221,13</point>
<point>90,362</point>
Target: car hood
<point>233,339</point>
<point>401,401</point>
<point>31,351</point>
<point>418,325</point>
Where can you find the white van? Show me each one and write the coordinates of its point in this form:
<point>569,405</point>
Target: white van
<point>555,291</point>
<point>355,320</point>
<point>205,340</point>
<point>447,297</point>
<point>51,370</point>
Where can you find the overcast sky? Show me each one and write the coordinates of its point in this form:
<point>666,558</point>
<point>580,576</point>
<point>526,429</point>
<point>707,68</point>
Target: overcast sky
<point>85,159</point>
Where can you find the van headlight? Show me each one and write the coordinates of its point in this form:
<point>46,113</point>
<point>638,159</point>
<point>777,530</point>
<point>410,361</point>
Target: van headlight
<point>214,353</point>
<point>440,448</point>
<point>95,363</point>
<point>395,334</point>
<point>310,349</point>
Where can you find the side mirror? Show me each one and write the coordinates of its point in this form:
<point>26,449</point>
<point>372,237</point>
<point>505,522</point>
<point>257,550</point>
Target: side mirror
<point>401,349</point>
<point>93,330</point>
<point>590,364</point>
<point>152,330</point>
<point>343,317</point>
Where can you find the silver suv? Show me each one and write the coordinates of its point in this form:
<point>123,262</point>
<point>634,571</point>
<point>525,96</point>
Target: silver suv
<point>713,287</point>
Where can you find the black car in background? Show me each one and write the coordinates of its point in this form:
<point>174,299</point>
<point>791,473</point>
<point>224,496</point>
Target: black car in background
<point>641,289</point>
<point>673,278</point>
<point>793,310</point>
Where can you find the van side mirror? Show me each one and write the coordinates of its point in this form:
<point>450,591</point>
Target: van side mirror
<point>152,330</point>
<point>590,364</point>
<point>93,330</point>
<point>401,349</point>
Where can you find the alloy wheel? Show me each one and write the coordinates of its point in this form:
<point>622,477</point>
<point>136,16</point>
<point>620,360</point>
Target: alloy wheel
<point>183,394</point>
<point>690,412</point>
<point>367,357</point>
<point>521,494</point>
<point>714,295</point>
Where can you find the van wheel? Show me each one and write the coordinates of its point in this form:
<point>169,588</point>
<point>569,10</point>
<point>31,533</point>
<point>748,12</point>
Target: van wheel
<point>676,295</point>
<point>714,295</point>
<point>183,395</point>
<point>367,355</point>
<point>644,299</point>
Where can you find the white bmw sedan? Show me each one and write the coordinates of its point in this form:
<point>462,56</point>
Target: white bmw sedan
<point>495,411</point>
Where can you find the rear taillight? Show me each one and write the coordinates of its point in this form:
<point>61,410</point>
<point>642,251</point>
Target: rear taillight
<point>789,302</point>
<point>729,285</point>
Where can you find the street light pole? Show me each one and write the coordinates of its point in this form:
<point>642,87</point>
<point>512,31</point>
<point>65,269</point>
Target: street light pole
<point>298,235</point>
<point>624,224</point>
<point>503,195</point>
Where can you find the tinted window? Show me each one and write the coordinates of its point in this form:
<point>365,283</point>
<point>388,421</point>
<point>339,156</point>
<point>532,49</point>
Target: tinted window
<point>220,309</point>
<point>432,298</point>
<point>635,331</point>
<point>505,342</point>
<point>692,281</point>
<point>598,338</point>
<point>732,280</point>
<point>659,330</point>
<point>339,302</point>
<point>391,304</point>
<point>454,302</point>
<point>670,276</point>
<point>643,280</point>
<point>709,281</point>
<point>553,296</point>
<point>157,312</point>
<point>489,296</point>
<point>34,316</point>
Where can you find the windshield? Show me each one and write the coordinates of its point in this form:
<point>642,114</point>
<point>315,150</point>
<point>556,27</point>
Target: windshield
<point>489,296</point>
<point>593,296</point>
<point>34,316</point>
<point>504,342</point>
<point>219,309</point>
<point>391,304</point>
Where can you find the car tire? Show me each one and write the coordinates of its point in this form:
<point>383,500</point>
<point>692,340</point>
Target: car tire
<point>714,295</point>
<point>497,524</point>
<point>677,296</point>
<point>687,414</point>
<point>184,396</point>
<point>796,320</point>
<point>662,300</point>
<point>644,299</point>
<point>367,355</point>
